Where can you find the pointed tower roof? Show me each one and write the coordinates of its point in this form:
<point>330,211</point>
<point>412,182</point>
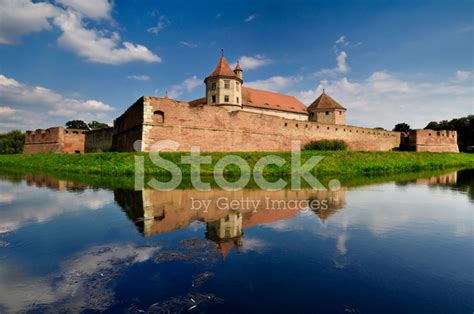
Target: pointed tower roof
<point>325,102</point>
<point>237,67</point>
<point>222,68</point>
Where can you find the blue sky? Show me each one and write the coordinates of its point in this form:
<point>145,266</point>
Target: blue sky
<point>386,61</point>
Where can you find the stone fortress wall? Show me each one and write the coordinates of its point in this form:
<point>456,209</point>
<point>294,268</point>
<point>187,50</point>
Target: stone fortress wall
<point>432,141</point>
<point>215,129</point>
<point>54,140</point>
<point>99,140</point>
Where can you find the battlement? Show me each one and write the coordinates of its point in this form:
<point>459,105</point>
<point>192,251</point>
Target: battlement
<point>214,128</point>
<point>54,140</point>
<point>426,140</point>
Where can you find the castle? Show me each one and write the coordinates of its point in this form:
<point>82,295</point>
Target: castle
<point>232,117</point>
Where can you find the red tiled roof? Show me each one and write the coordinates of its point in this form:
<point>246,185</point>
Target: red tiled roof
<point>325,102</point>
<point>265,100</point>
<point>199,101</point>
<point>237,67</point>
<point>270,100</point>
<point>222,68</point>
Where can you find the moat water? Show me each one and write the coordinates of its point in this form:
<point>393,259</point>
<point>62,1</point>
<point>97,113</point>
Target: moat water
<point>393,245</point>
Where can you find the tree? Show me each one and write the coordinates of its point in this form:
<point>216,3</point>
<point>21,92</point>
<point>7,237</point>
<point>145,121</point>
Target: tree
<point>402,127</point>
<point>12,142</point>
<point>77,124</point>
<point>94,125</point>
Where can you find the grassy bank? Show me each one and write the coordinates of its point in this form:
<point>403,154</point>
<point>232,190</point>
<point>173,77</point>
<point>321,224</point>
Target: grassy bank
<point>333,163</point>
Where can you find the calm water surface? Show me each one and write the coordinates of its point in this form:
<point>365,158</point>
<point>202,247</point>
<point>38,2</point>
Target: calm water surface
<point>394,247</point>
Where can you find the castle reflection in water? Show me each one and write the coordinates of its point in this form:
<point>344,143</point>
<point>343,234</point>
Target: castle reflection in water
<point>155,212</point>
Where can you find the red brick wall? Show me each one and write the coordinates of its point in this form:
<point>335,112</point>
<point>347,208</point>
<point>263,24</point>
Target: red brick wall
<point>99,140</point>
<point>433,141</point>
<point>215,129</point>
<point>128,128</point>
<point>54,140</point>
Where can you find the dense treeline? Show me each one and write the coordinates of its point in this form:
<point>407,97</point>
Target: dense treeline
<point>465,128</point>
<point>12,142</point>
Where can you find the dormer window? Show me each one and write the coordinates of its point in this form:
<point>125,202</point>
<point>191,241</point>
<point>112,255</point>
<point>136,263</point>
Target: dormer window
<point>226,84</point>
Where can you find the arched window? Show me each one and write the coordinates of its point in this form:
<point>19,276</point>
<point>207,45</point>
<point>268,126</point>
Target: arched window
<point>159,116</point>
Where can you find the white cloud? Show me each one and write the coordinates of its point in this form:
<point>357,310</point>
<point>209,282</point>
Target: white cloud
<point>160,25</point>
<point>462,75</point>
<point>341,68</point>
<point>383,99</point>
<point>95,47</point>
<point>6,111</point>
<point>186,86</point>
<point>252,17</point>
<point>188,44</point>
<point>341,41</point>
<point>40,107</point>
<point>22,17</point>
<point>139,77</point>
<point>275,83</point>
<point>252,63</point>
<point>97,9</point>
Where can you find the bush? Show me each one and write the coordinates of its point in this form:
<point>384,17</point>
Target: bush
<point>12,142</point>
<point>326,145</point>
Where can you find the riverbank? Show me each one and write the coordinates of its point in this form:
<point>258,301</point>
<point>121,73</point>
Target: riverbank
<point>333,163</point>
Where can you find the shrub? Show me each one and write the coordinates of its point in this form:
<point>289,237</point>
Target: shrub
<point>12,142</point>
<point>325,145</point>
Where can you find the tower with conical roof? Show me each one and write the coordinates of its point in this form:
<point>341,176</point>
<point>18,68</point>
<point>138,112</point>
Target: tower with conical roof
<point>224,85</point>
<point>326,110</point>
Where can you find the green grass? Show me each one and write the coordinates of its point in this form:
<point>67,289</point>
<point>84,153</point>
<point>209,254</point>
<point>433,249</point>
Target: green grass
<point>334,163</point>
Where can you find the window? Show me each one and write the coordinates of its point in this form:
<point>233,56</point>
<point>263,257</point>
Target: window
<point>340,112</point>
<point>159,116</point>
<point>327,113</point>
<point>214,98</point>
<point>213,86</point>
<point>238,100</point>
<point>311,114</point>
<point>237,87</point>
<point>226,98</point>
<point>226,84</point>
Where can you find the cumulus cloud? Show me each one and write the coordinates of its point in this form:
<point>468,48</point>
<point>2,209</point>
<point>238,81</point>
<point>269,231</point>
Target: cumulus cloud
<point>96,47</point>
<point>6,111</point>
<point>97,9</point>
<point>275,83</point>
<point>38,106</point>
<point>139,77</point>
<point>462,75</point>
<point>252,63</point>
<point>341,66</point>
<point>22,17</point>
<point>186,86</point>
<point>383,99</point>
<point>251,17</point>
